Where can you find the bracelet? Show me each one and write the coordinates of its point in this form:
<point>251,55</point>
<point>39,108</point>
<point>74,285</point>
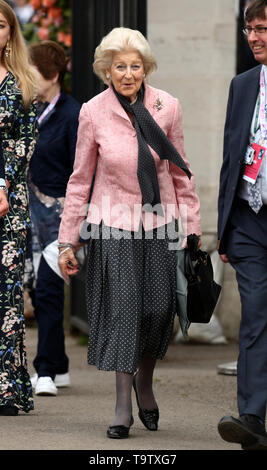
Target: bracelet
<point>63,245</point>
<point>4,188</point>
<point>63,251</point>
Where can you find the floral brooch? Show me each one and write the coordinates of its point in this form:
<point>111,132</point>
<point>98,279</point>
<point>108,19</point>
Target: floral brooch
<point>158,105</point>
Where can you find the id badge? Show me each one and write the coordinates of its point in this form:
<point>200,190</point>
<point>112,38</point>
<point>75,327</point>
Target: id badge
<point>249,157</point>
<point>253,162</point>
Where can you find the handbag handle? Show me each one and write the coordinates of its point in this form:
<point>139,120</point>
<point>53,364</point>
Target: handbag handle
<point>191,254</point>
<point>192,245</point>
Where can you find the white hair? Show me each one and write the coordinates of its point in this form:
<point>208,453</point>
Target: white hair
<point>120,40</point>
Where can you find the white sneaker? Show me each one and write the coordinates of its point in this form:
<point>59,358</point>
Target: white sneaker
<point>61,380</point>
<point>45,386</point>
<point>34,379</point>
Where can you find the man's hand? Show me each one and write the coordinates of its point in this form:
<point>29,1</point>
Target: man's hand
<point>223,257</point>
<point>4,206</point>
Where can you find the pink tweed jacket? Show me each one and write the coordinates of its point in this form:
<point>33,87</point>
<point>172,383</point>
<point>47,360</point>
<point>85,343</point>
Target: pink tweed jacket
<point>107,142</point>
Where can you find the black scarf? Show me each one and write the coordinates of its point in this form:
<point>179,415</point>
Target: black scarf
<point>149,133</point>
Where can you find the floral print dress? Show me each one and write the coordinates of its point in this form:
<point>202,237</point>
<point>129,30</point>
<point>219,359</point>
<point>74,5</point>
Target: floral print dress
<point>18,127</point>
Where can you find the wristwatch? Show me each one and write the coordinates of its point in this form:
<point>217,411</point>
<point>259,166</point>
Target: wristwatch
<point>4,188</point>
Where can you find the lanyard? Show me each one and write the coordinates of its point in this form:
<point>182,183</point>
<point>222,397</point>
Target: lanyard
<point>256,125</point>
<point>262,113</point>
<point>49,108</point>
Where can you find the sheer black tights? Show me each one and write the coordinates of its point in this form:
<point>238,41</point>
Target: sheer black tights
<point>144,382</point>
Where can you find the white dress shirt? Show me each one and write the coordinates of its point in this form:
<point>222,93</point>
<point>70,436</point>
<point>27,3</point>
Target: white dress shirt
<point>255,138</point>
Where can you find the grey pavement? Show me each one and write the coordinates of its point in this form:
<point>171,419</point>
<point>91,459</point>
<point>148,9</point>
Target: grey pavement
<point>191,396</point>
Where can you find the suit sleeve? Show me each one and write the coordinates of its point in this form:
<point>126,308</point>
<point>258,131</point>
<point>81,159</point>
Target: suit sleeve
<point>224,174</point>
<point>78,189</point>
<point>187,199</point>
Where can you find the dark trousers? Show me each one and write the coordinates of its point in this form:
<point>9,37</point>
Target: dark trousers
<point>48,301</point>
<point>247,252</point>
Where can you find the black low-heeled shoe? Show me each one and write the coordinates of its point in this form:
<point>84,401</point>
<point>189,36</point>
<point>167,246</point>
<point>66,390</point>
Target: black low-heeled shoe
<point>149,418</point>
<point>120,431</point>
<point>9,410</point>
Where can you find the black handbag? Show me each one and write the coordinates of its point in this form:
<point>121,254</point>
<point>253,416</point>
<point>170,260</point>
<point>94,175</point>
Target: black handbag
<point>202,291</point>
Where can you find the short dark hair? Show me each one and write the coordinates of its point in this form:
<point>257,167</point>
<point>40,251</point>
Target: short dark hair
<point>49,58</point>
<point>256,10</point>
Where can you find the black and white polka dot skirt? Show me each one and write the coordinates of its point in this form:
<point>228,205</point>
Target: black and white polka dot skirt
<point>130,296</point>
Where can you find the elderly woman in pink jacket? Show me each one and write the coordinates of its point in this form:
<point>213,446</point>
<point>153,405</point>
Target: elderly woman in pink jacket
<point>131,137</point>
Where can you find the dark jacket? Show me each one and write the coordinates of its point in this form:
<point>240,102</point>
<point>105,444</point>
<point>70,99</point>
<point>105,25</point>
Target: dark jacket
<point>52,162</point>
<point>243,94</point>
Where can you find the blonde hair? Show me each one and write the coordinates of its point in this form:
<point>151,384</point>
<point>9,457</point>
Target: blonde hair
<point>17,60</point>
<point>119,40</point>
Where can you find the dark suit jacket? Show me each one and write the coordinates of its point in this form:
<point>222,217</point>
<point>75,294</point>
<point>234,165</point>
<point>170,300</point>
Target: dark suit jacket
<point>243,94</point>
<point>52,162</point>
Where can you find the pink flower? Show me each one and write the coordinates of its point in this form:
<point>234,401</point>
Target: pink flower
<point>60,36</point>
<point>45,22</point>
<point>58,21</point>
<point>36,18</point>
<point>54,13</point>
<point>43,33</point>
<point>35,4</point>
<point>68,40</point>
<point>48,3</point>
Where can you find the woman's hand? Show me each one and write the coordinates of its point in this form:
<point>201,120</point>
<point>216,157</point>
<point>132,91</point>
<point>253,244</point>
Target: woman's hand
<point>4,206</point>
<point>184,244</point>
<point>67,263</point>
